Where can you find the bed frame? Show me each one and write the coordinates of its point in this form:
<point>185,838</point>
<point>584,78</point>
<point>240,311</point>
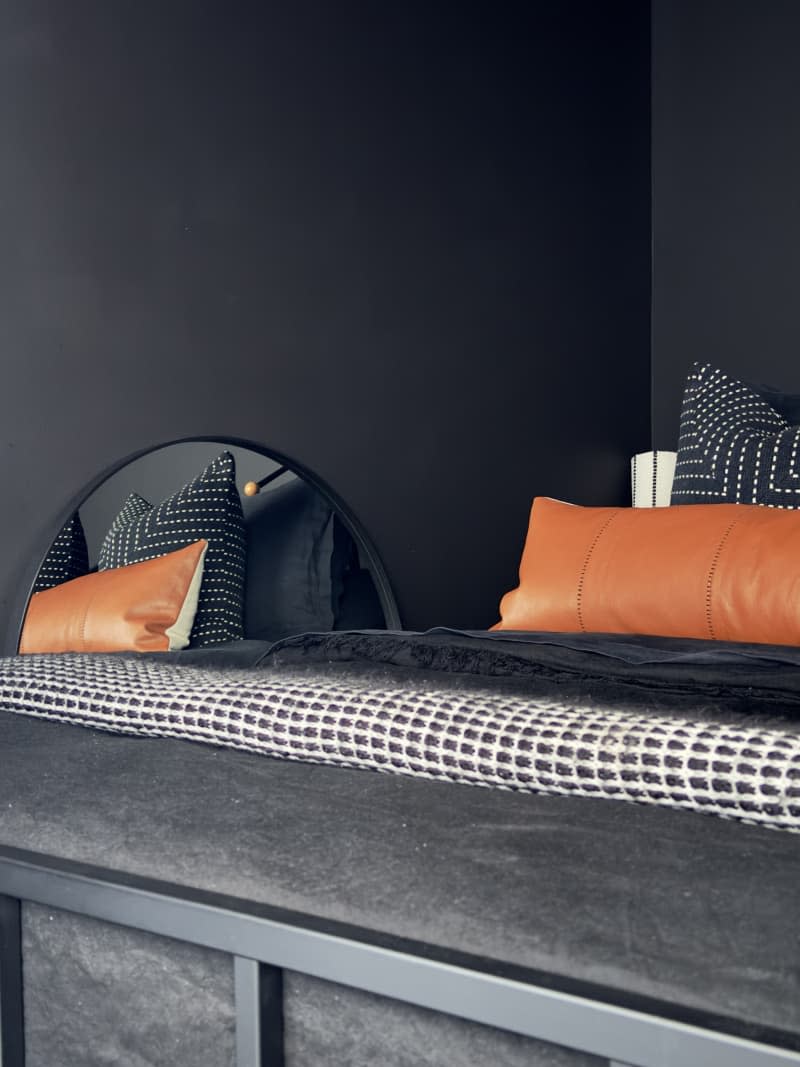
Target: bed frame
<point>264,940</point>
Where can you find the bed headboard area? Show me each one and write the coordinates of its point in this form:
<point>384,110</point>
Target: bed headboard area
<point>433,260</point>
<point>371,244</point>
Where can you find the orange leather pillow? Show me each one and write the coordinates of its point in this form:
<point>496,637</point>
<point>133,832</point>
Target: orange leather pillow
<point>144,607</point>
<point>719,571</point>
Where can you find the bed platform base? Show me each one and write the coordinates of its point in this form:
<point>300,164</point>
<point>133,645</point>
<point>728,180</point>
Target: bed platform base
<point>263,941</point>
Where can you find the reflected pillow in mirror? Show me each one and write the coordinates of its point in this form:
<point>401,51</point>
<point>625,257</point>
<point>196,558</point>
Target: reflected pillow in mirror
<point>208,507</point>
<point>145,607</point>
<point>292,567</point>
<point>67,558</point>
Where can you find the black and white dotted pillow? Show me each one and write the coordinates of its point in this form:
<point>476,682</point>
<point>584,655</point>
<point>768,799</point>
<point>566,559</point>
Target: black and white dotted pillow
<point>68,557</point>
<point>209,508</point>
<point>734,446</point>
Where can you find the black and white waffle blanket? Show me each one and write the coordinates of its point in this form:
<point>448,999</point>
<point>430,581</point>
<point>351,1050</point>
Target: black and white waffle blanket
<point>413,722</point>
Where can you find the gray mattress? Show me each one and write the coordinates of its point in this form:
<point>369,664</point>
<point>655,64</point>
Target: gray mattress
<point>679,913</point>
<point>695,915</point>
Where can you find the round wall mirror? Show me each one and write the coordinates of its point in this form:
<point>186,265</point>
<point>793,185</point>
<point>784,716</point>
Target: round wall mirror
<point>305,562</point>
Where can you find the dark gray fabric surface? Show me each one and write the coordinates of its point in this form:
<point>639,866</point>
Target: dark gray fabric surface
<point>666,671</point>
<point>709,677</point>
<point>291,565</point>
<point>98,994</point>
<point>697,911</point>
<point>326,1023</point>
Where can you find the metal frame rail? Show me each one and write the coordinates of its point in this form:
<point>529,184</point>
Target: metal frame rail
<point>264,940</point>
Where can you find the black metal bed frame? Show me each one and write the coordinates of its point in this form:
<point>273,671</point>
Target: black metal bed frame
<point>264,941</point>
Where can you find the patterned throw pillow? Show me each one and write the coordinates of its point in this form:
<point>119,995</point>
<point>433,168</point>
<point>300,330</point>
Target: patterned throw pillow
<point>68,557</point>
<point>734,447</point>
<point>208,508</point>
<point>146,607</point>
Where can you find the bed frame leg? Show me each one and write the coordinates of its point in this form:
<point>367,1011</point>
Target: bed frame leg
<point>12,1033</point>
<point>259,1013</point>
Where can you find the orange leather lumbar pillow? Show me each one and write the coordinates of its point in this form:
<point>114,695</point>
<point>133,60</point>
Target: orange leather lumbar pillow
<point>144,607</point>
<point>718,571</point>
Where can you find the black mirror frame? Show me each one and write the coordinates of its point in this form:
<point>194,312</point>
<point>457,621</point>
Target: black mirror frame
<point>367,550</point>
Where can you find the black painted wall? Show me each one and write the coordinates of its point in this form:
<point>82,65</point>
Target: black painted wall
<point>407,245</point>
<point>726,195</point>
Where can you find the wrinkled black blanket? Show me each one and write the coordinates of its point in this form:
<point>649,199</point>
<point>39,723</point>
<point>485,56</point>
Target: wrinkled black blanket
<point>671,672</point>
<point>674,672</point>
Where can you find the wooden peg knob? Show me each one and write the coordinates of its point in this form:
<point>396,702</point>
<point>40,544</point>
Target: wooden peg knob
<point>251,489</point>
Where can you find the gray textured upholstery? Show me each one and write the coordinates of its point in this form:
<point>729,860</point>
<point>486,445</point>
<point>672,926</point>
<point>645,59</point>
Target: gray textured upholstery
<point>97,994</point>
<point>684,907</point>
<point>331,1024</point>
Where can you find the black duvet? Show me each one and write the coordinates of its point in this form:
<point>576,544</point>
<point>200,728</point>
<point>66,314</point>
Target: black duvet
<point>683,671</point>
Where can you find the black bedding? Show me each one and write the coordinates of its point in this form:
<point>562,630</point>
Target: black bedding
<point>657,909</point>
<point>651,907</point>
<point>707,727</point>
<point>709,678</point>
<point>729,669</point>
<point>675,672</point>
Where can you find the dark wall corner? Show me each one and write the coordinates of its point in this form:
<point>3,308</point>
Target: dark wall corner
<point>409,250</point>
<point>726,212</point>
